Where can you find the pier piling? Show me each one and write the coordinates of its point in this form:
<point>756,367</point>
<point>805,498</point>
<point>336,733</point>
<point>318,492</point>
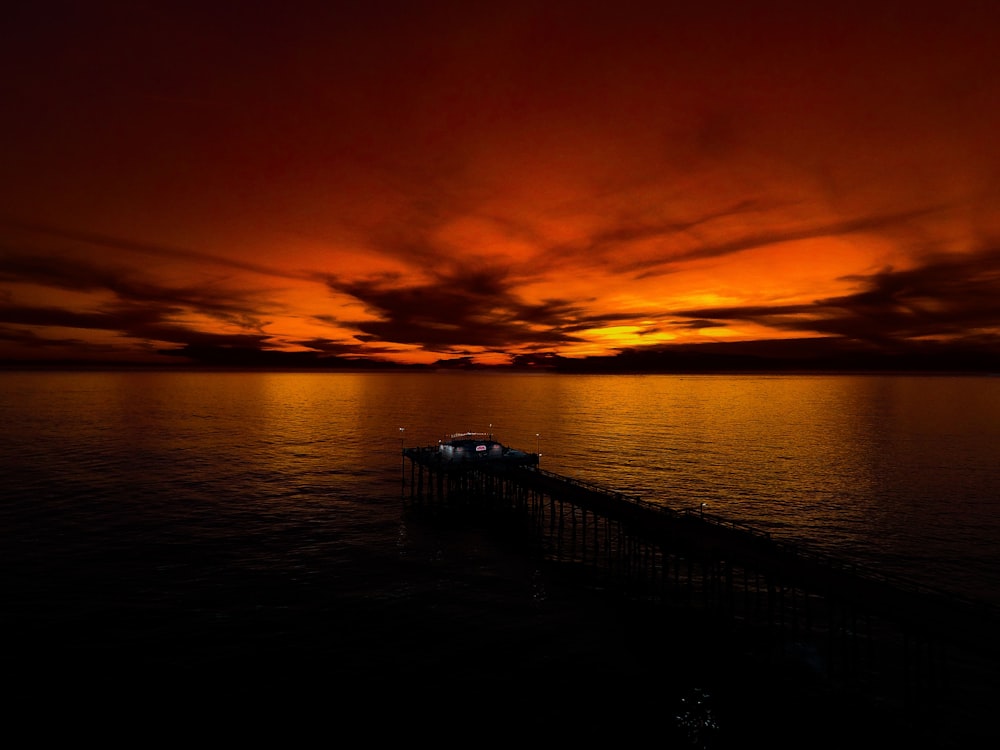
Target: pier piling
<point>892,638</point>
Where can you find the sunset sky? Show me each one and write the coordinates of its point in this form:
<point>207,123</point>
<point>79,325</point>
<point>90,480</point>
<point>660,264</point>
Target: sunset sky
<point>422,182</point>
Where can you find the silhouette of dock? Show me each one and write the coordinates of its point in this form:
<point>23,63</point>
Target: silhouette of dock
<point>929,654</point>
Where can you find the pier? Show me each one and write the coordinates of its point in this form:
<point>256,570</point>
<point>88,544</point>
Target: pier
<point>927,653</point>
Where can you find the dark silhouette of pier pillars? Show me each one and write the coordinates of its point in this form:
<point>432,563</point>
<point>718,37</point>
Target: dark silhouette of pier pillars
<point>924,651</point>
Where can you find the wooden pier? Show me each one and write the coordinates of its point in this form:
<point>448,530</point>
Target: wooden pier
<point>926,652</point>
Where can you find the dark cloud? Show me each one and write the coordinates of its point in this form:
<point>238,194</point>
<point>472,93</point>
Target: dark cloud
<point>58,316</point>
<point>699,324</point>
<point>952,297</point>
<point>821,354</point>
<point>139,322</point>
<point>461,308</point>
<point>135,307</point>
<point>256,358</point>
<point>136,311</point>
<point>28,339</point>
<point>359,349</point>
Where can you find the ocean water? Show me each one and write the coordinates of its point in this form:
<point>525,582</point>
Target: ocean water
<point>901,473</point>
<point>206,529</point>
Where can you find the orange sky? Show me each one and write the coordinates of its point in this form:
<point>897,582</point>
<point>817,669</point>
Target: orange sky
<point>421,182</point>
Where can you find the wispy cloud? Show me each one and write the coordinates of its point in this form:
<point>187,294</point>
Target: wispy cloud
<point>202,259</point>
<point>882,223</point>
<point>951,296</point>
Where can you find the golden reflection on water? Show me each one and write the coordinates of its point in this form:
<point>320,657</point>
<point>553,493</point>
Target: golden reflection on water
<point>904,462</point>
<point>842,458</point>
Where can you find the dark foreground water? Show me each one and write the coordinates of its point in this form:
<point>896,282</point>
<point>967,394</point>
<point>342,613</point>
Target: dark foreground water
<point>183,551</point>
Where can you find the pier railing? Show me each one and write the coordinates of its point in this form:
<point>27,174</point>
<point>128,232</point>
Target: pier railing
<point>429,455</point>
<point>902,639</point>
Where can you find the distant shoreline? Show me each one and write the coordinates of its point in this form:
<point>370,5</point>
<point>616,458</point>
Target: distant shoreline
<point>484,369</point>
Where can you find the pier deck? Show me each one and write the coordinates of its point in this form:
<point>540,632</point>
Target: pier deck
<point>926,651</point>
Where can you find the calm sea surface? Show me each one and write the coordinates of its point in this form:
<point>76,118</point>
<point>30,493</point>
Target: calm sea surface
<point>150,493</point>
